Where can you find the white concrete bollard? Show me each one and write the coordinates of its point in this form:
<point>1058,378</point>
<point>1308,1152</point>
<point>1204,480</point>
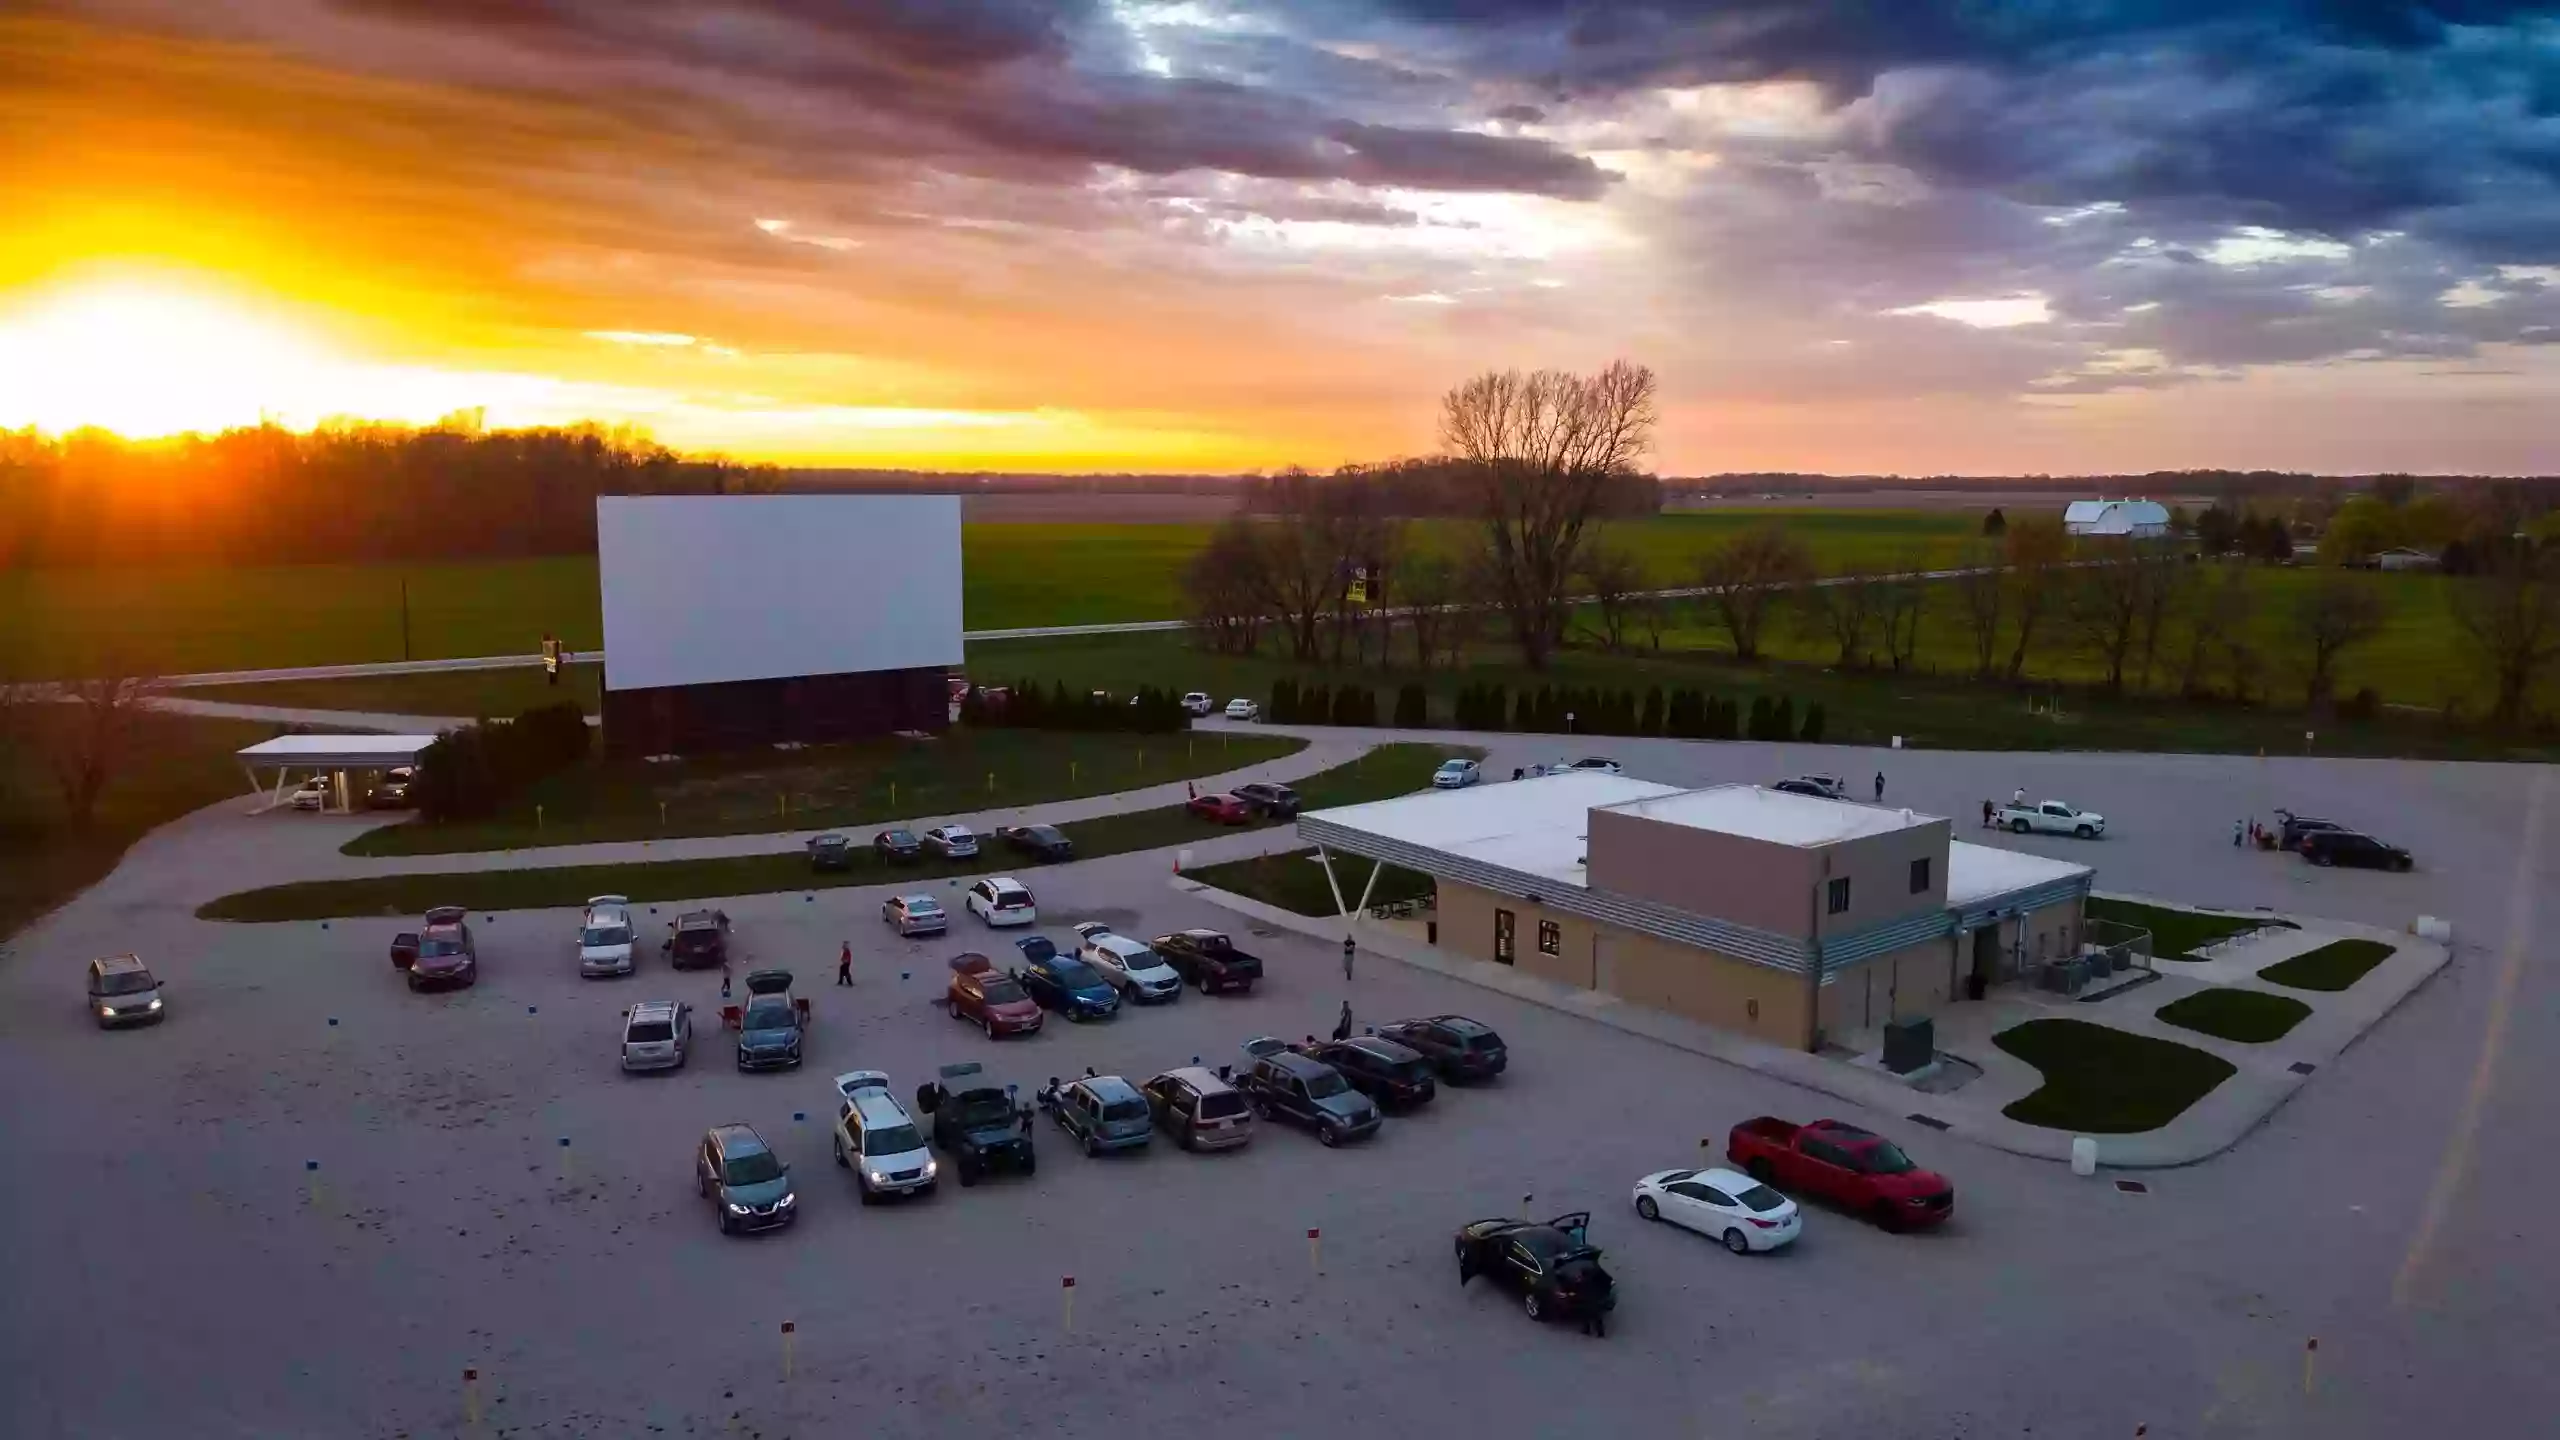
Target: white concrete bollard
<point>1897,742</point>
<point>2431,928</point>
<point>2084,1155</point>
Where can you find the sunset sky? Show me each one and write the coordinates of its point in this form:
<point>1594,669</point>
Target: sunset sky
<point>1903,236</point>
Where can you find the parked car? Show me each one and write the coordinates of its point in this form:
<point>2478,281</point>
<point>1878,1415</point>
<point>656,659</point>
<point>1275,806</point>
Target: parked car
<point>1242,709</point>
<point>311,794</point>
<point>830,851</point>
<point>657,1035</point>
<point>1852,1168</point>
<point>915,915</point>
<point>769,1028</point>
<point>1743,1214</point>
<point>1002,900</point>
<point>976,1123</point>
<point>1591,765</point>
<point>2053,817</point>
<point>1102,1112</point>
<point>1828,787</point>
<point>394,791</point>
<point>1199,1110</point>
<point>1208,959</point>
<point>1197,702</point>
<point>1456,774</point>
<point>444,956</point>
<point>1549,1264</point>
<point>123,991</point>
<point>995,1001</point>
<point>1458,1048</point>
<point>698,940</point>
<point>1063,983</point>
<point>748,1185</point>
<point>1040,842</point>
<point>1285,1085</point>
<point>1223,809</point>
<point>2292,829</point>
<point>952,842</point>
<point>897,845</point>
<point>604,937</point>
<point>878,1140</point>
<point>1396,1076</point>
<point>1268,799</point>
<point>2351,847</point>
<point>1131,966</point>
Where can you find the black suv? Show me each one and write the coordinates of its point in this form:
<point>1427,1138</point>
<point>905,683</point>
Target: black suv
<point>1396,1076</point>
<point>1457,1047</point>
<point>976,1123</point>
<point>2294,829</point>
<point>1306,1092</point>
<point>1279,802</point>
<point>2347,847</point>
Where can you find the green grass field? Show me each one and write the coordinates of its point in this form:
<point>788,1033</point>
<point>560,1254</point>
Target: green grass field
<point>2247,1017</point>
<point>828,787</point>
<point>1293,881</point>
<point>2332,967</point>
<point>2175,934</point>
<point>2103,1081</point>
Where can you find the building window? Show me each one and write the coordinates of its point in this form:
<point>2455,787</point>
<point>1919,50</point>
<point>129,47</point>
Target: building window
<point>1920,876</point>
<point>1502,923</point>
<point>1838,893</point>
<point>1550,938</point>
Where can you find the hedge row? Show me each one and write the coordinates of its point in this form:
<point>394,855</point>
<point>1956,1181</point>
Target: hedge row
<point>1027,707</point>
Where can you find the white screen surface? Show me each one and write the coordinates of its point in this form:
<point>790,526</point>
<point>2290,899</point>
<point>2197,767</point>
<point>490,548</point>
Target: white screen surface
<point>700,589</point>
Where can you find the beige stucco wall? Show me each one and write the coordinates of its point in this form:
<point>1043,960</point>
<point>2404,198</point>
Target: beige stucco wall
<point>1906,985</point>
<point>1879,872</point>
<point>1748,882</point>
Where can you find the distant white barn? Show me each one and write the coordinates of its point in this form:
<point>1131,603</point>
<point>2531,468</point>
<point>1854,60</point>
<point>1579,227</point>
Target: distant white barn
<point>2140,519</point>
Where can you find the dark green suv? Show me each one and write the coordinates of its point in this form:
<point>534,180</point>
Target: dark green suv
<point>749,1186</point>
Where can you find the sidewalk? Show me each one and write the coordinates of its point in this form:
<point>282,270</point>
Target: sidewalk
<point>2207,1128</point>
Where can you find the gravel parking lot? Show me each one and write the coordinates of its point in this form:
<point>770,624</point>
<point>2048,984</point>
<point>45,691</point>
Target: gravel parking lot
<point>171,1273</point>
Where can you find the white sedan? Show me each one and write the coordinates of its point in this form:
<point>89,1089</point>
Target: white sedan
<point>1734,1208</point>
<point>1242,709</point>
<point>1456,774</point>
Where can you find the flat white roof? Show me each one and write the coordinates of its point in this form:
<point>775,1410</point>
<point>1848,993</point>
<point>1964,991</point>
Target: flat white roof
<point>360,750</point>
<point>1976,873</point>
<point>1535,826</point>
<point>1773,815</point>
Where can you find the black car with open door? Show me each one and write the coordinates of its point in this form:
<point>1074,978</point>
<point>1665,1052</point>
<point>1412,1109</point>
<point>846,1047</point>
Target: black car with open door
<point>1549,1264</point>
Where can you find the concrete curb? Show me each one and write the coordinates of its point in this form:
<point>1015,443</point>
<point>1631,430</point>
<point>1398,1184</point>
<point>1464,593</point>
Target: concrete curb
<point>2212,1125</point>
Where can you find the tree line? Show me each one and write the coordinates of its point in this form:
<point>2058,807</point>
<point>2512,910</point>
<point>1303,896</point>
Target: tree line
<point>342,492</point>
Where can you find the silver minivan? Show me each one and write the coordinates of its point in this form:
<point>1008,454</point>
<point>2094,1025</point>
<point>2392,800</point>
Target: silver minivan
<point>123,991</point>
<point>657,1035</point>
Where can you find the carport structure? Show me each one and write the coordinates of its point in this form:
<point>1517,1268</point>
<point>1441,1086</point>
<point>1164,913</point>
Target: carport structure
<point>333,756</point>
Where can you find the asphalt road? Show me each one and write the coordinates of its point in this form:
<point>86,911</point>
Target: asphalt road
<point>169,1273</point>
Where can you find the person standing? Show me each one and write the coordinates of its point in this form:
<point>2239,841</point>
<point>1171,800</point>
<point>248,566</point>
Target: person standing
<point>844,964</point>
<point>724,979</point>
<point>2020,798</point>
<point>1349,948</point>
<point>2239,828</point>
<point>1190,791</point>
<point>1879,787</point>
<point>1990,815</point>
<point>1342,1026</point>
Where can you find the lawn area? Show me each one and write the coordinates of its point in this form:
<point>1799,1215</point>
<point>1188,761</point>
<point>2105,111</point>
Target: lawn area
<point>457,694</point>
<point>2102,1081</point>
<point>830,786</point>
<point>1389,770</point>
<point>180,764</point>
<point>2249,1017</point>
<point>2332,967</point>
<point>1293,881</point>
<point>2175,934</point>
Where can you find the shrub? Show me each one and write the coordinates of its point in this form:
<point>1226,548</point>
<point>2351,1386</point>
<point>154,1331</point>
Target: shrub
<point>470,772</point>
<point>1413,707</point>
<point>1649,722</point>
<point>2362,705</point>
<point>1813,721</point>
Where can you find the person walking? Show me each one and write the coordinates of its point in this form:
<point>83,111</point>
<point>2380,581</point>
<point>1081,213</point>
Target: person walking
<point>1990,815</point>
<point>1349,948</point>
<point>844,964</point>
<point>1190,791</point>
<point>1879,787</point>
<point>1342,1026</point>
<point>724,979</point>
<point>2239,828</point>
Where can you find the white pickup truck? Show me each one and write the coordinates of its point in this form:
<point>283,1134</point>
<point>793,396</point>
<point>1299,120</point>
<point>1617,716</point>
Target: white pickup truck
<point>2053,818</point>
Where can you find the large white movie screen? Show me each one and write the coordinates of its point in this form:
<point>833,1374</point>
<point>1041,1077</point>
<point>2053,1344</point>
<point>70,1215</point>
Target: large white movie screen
<point>700,589</point>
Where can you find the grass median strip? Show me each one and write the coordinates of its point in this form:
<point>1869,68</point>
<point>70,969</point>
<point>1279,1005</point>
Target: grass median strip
<point>2332,967</point>
<point>2103,1081</point>
<point>2249,1017</point>
<point>2177,934</point>
<point>1386,771</point>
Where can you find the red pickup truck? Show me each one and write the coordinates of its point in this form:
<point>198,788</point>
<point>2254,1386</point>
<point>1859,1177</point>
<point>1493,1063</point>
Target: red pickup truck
<point>1852,1168</point>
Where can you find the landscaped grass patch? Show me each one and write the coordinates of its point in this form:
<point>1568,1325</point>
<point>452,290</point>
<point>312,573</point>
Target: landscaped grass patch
<point>1386,771</point>
<point>2176,934</point>
<point>1294,881</point>
<point>827,787</point>
<point>2250,1017</point>
<point>2102,1081</point>
<point>2333,966</point>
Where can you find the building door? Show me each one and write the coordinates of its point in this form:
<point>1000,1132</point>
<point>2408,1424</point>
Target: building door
<point>1502,926</point>
<point>1604,965</point>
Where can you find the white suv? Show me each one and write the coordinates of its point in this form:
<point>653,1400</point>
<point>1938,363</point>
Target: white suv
<point>878,1141</point>
<point>1132,966</point>
<point>657,1035</point>
<point>604,937</point>
<point>1003,900</point>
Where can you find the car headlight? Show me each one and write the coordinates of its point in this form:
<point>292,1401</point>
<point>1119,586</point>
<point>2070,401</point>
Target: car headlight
<point>931,1168</point>
<point>737,1209</point>
<point>786,1202</point>
<point>154,1005</point>
<point>106,1012</point>
<point>878,1177</point>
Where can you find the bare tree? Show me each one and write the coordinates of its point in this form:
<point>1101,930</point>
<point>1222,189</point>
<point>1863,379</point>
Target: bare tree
<point>2217,615</point>
<point>1906,598</point>
<point>1842,609</point>
<point>2338,612</point>
<point>1429,585</point>
<point>1544,450</point>
<point>1614,580</point>
<point>1745,575</point>
<point>1225,590</point>
<point>2103,605</point>
<point>1307,560</point>
<point>89,745</point>
<point>2167,577</point>
<point>1982,601</point>
<point>2035,549</point>
<point>2509,620</point>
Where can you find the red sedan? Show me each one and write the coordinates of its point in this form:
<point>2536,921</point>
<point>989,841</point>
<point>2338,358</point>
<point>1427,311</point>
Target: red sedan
<point>1225,809</point>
